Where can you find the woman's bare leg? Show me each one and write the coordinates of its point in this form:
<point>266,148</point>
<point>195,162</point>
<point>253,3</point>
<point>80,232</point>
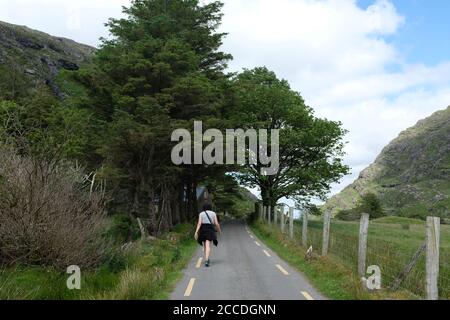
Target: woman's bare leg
<point>207,250</point>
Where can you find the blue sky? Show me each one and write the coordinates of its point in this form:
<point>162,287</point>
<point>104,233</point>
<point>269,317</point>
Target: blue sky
<point>425,36</point>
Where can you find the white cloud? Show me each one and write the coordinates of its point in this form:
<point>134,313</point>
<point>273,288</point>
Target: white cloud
<point>321,35</point>
<point>336,54</point>
<point>383,17</point>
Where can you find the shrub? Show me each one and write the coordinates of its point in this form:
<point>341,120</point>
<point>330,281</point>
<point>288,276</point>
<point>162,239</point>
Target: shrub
<point>123,229</point>
<point>49,215</point>
<point>369,203</point>
<point>348,215</point>
<point>405,226</point>
<point>372,205</point>
<point>114,260</point>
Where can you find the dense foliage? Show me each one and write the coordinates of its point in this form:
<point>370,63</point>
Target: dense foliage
<point>161,70</point>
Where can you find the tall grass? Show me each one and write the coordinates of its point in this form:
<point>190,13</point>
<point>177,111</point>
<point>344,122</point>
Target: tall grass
<point>150,271</point>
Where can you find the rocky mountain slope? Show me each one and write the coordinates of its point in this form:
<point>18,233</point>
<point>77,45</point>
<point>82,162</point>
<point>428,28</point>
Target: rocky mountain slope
<point>411,176</point>
<point>30,58</point>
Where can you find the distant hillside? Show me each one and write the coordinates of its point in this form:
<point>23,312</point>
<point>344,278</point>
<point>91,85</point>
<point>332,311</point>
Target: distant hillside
<point>249,196</point>
<point>30,58</point>
<point>411,176</point>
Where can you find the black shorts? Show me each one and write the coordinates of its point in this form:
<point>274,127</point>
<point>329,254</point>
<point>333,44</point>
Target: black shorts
<point>207,232</point>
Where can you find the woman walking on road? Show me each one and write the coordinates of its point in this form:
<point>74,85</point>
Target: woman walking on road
<point>206,232</point>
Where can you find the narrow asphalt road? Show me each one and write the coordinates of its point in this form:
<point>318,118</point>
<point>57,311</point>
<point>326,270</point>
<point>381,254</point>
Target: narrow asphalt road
<point>242,268</point>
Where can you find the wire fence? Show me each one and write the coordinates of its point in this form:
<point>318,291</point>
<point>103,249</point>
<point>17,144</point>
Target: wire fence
<point>390,247</point>
<point>444,275</point>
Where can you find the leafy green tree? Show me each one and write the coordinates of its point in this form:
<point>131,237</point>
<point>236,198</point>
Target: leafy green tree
<point>311,148</point>
<point>42,126</point>
<point>230,198</point>
<point>371,204</point>
<point>314,210</point>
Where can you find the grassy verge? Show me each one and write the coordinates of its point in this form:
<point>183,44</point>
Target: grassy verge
<point>332,278</point>
<point>149,271</point>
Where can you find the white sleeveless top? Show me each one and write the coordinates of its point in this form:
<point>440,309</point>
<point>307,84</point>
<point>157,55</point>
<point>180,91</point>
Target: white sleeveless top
<point>204,217</point>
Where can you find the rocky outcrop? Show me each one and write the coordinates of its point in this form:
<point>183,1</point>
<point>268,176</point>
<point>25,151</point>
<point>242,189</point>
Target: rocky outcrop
<point>411,176</point>
<point>36,58</point>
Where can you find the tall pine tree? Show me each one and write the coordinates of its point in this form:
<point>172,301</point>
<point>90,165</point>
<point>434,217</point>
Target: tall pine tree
<point>161,70</point>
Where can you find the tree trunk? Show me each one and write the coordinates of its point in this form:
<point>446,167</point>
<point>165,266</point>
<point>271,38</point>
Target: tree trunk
<point>182,203</point>
<point>189,204</point>
<point>152,214</point>
<point>195,200</point>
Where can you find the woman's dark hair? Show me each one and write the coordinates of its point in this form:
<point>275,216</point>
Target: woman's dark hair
<point>207,207</point>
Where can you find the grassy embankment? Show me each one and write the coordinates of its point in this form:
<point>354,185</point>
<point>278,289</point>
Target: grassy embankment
<point>392,242</point>
<point>148,270</point>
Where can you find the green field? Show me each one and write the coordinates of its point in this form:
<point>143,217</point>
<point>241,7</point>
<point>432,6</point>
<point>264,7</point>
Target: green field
<point>392,242</point>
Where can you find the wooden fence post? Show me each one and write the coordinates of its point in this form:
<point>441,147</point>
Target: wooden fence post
<point>326,233</point>
<point>362,249</point>
<point>141,228</point>
<point>275,215</point>
<point>291,223</point>
<point>305,228</point>
<point>282,219</point>
<point>432,257</point>
<point>278,215</point>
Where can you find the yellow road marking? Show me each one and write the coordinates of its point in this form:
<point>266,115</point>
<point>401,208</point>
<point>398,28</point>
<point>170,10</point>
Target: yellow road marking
<point>257,243</point>
<point>307,295</point>
<point>189,288</point>
<point>267,254</point>
<point>199,263</point>
<point>282,270</point>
